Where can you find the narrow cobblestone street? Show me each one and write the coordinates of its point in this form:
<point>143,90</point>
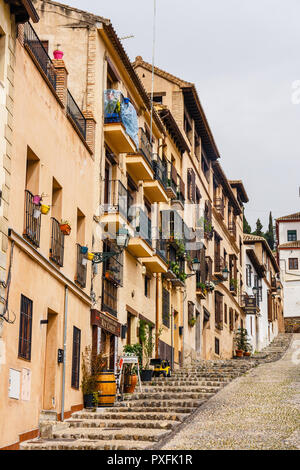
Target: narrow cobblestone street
<point>260,410</point>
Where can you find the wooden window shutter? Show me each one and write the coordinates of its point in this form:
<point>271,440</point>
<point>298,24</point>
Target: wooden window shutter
<point>166,308</point>
<point>191,185</point>
<point>270,306</point>
<point>203,265</point>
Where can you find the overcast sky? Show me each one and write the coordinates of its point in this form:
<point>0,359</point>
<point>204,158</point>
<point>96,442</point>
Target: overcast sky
<point>243,56</point>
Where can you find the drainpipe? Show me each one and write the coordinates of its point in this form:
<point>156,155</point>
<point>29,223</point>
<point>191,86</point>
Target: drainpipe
<point>157,316</point>
<point>172,339</point>
<point>65,353</point>
<point>183,330</point>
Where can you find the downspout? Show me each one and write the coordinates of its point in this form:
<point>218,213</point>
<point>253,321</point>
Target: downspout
<point>157,316</point>
<point>65,353</point>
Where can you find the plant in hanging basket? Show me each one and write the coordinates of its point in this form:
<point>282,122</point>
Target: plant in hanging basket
<point>65,227</point>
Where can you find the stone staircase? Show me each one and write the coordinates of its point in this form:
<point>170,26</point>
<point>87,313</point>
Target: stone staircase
<point>143,418</point>
<point>151,415</point>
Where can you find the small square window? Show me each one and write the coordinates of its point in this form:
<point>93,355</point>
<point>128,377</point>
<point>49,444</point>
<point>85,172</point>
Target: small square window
<point>292,235</point>
<point>293,263</point>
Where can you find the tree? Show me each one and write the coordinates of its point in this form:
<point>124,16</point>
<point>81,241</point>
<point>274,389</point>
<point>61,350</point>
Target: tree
<point>269,235</point>
<point>247,228</point>
<point>258,230</point>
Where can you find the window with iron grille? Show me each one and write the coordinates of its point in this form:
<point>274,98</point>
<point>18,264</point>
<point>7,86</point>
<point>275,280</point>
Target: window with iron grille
<point>32,229</point>
<point>292,235</point>
<point>81,269</point>
<point>57,244</point>
<point>248,275</point>
<point>166,308</point>
<point>231,319</point>
<point>218,310</point>
<point>293,263</point>
<point>25,331</point>
<point>76,357</point>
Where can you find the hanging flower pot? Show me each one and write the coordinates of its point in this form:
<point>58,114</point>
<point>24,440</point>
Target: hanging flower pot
<point>84,250</point>
<point>90,256</point>
<point>36,213</point>
<point>45,209</point>
<point>65,228</point>
<point>37,200</point>
<point>58,55</point>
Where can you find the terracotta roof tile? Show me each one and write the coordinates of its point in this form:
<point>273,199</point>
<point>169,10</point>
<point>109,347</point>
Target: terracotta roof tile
<point>290,216</point>
<point>295,244</point>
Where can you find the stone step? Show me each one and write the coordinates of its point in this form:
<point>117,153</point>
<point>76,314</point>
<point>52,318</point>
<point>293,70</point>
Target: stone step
<point>188,381</point>
<point>130,414</point>
<point>122,423</point>
<point>84,444</point>
<point>195,383</point>
<point>107,434</point>
<point>170,405</point>
<point>182,389</point>
<point>174,409</point>
<point>168,396</point>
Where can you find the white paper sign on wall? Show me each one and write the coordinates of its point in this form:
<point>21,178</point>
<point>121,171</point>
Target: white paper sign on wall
<point>14,385</point>
<point>26,384</point>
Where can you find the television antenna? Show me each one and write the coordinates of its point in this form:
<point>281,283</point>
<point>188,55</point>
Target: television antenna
<point>127,37</point>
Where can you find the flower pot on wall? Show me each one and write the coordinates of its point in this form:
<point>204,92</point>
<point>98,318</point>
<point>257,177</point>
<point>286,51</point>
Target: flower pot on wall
<point>36,200</point>
<point>45,209</point>
<point>84,250</point>
<point>90,256</point>
<point>65,228</point>
<point>58,55</point>
<point>36,213</point>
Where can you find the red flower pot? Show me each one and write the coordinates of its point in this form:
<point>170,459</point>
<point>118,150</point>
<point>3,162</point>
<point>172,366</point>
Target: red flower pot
<point>58,55</point>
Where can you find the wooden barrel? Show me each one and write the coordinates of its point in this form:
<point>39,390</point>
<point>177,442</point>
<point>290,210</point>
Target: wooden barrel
<point>106,388</point>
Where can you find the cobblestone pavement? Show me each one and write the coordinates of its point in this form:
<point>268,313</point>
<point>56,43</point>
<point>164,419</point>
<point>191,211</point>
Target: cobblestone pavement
<point>259,410</point>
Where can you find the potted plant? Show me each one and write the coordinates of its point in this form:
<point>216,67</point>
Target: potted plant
<point>146,339</point>
<point>241,341</point>
<point>210,286</point>
<point>90,256</point>
<point>192,322</point>
<point>202,286</point>
<point>65,227</point>
<point>88,380</point>
<point>37,200</point>
<point>233,285</point>
<point>130,374</point>
<point>57,54</point>
<point>84,250</point>
<point>106,387</point>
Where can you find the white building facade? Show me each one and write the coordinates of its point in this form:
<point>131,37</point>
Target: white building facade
<point>261,271</point>
<point>288,252</point>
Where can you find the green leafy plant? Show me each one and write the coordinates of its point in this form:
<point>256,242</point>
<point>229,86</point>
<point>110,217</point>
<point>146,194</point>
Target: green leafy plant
<point>88,380</point>
<point>192,321</point>
<point>241,340</point>
<point>146,338</point>
<point>234,284</point>
<point>136,350</point>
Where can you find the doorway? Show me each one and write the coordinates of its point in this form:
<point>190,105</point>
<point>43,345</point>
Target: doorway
<point>49,395</point>
<point>176,337</point>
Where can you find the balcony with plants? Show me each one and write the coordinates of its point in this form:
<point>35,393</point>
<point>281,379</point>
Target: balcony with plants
<point>120,122</point>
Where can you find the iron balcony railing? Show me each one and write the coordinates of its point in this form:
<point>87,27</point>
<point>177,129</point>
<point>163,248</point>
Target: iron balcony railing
<point>145,146</point>
<point>220,264</point>
<point>109,297</point>
<point>144,228</point>
<point>113,266</point>
<point>81,269</point>
<point>32,229</point>
<point>75,113</point>
<point>172,177</point>
<point>162,249</point>
<point>219,206</point>
<point>160,171</point>
<point>232,229</point>
<point>118,198</point>
<point>180,190</point>
<point>57,244</point>
<point>32,41</point>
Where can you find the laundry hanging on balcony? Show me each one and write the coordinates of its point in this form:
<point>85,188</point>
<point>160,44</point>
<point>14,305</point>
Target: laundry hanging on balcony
<point>119,109</point>
<point>130,120</point>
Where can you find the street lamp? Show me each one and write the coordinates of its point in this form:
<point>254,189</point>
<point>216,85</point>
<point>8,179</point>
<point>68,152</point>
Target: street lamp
<point>225,275</point>
<point>196,266</point>
<point>123,238</point>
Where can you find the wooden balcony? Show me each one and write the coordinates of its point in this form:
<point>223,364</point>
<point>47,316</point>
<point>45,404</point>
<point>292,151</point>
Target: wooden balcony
<point>141,244</point>
<point>139,162</point>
